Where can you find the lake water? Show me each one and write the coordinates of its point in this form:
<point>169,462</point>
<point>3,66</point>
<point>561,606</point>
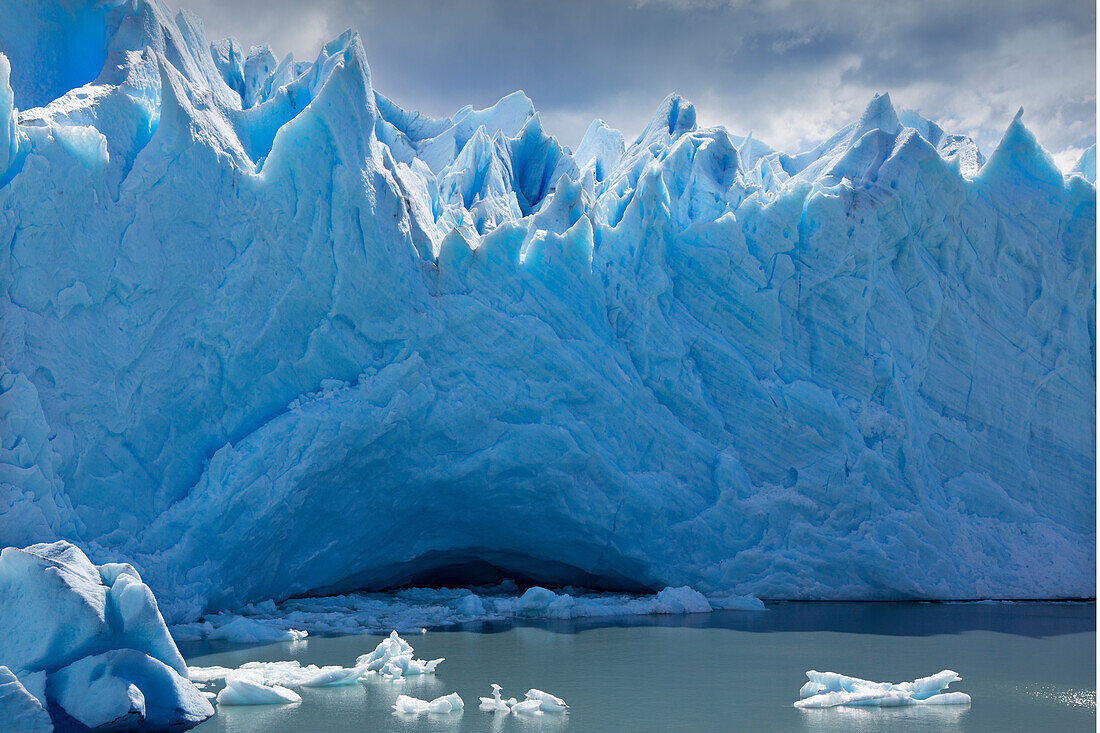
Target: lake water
<point>1027,667</point>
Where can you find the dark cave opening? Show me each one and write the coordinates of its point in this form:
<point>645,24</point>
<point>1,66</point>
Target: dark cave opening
<point>473,568</point>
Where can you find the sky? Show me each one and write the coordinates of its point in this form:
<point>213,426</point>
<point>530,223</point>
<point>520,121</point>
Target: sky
<point>789,71</point>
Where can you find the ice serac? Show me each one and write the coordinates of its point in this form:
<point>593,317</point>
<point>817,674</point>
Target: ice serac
<point>266,334</point>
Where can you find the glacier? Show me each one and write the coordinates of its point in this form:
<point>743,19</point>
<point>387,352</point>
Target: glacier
<point>265,334</point>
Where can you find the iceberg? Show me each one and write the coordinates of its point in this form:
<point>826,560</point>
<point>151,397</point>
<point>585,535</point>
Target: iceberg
<point>415,706</point>
<point>495,704</point>
<point>88,643</point>
<point>535,702</point>
<point>547,703</point>
<point>126,690</point>
<point>393,657</point>
<point>252,307</point>
<point>829,689</point>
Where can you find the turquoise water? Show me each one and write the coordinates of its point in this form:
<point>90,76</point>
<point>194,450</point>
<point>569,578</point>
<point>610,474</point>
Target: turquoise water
<point>1026,666</point>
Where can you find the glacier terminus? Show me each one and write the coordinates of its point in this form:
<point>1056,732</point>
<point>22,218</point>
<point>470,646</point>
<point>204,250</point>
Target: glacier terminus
<point>265,334</point>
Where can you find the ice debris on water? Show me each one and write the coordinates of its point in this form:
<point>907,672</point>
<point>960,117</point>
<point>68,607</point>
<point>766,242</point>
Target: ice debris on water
<point>411,609</point>
<point>446,704</point>
<point>495,704</point>
<point>829,689</point>
<point>393,657</point>
<point>243,688</point>
<point>262,683</point>
<point>536,702</point>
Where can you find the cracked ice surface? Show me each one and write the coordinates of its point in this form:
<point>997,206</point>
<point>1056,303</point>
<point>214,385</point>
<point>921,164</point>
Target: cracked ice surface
<point>266,334</point>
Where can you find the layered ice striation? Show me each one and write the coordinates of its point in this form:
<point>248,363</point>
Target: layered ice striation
<point>265,334</point>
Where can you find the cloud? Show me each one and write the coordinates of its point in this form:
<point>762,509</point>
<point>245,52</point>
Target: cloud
<point>792,72</point>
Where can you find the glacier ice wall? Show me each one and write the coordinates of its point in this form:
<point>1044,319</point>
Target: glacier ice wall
<point>265,333</point>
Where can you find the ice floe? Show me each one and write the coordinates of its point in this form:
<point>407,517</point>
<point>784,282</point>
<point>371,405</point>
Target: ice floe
<point>262,683</point>
<point>547,703</point>
<point>495,704</point>
<point>446,704</point>
<point>829,689</point>
<point>536,702</point>
<point>242,688</point>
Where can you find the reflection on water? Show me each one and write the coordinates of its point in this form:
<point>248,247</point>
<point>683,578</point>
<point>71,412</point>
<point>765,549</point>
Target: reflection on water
<point>1026,666</point>
<point>914,718</point>
<point>1075,698</point>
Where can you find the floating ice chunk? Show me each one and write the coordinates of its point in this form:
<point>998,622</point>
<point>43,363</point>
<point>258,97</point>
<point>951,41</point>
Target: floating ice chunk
<point>393,657</point>
<point>547,703</point>
<point>734,602</point>
<point>242,688</point>
<point>286,673</point>
<point>21,711</point>
<point>203,675</point>
<point>446,704</point>
<point>528,707</point>
<point>248,630</point>
<point>494,704</point>
<point>124,689</point>
<point>829,689</point>
<point>332,677</point>
<point>535,599</point>
<point>191,632</point>
<point>682,600</point>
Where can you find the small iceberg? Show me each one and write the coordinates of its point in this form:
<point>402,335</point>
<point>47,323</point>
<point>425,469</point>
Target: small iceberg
<point>536,702</point>
<point>829,689</point>
<point>412,705</point>
<point>494,704</point>
<point>249,689</point>
<point>393,658</point>
<point>547,703</point>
